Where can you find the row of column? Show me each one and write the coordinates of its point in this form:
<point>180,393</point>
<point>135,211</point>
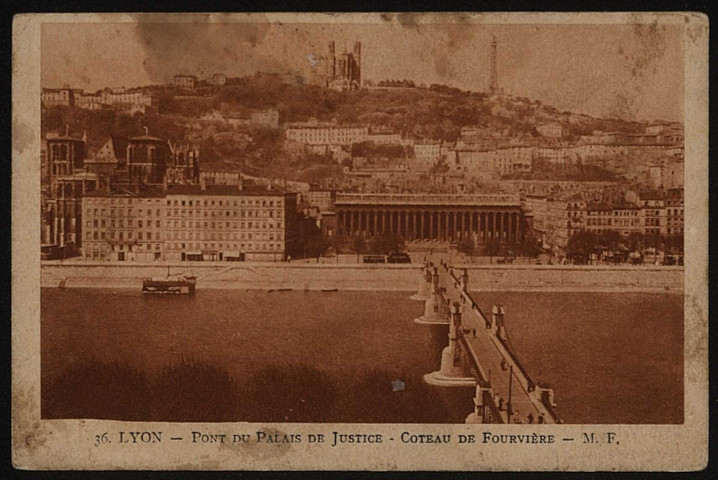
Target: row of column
<point>433,225</point>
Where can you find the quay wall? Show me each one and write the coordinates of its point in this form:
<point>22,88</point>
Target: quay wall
<point>383,277</point>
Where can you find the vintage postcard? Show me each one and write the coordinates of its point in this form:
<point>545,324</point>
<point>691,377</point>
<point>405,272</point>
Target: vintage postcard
<point>360,241</point>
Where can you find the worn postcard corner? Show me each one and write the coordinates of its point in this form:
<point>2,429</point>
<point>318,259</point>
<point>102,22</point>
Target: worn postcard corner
<point>360,241</point>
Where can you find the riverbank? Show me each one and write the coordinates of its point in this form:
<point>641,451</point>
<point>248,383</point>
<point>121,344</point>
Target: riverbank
<point>363,277</point>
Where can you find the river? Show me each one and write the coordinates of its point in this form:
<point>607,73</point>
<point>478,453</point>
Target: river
<point>236,355</point>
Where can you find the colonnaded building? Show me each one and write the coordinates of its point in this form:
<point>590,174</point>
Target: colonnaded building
<point>190,222</point>
<point>441,217</point>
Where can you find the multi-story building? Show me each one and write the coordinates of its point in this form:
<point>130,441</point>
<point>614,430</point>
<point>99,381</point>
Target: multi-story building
<point>223,222</point>
<point>64,96</point>
<point>220,177</point>
<point>653,213</point>
<point>386,138</point>
<point>190,223</point>
<point>322,199</point>
<point>674,211</point>
<point>187,81</point>
<point>493,163</point>
<point>537,205</point>
<point>217,79</point>
<point>331,134</point>
<point>123,225</point>
<point>566,217</point>
<point>268,118</point>
<point>627,218</point>
<point>120,99</point>
<point>599,218</point>
<point>553,130</point>
<point>427,155</point>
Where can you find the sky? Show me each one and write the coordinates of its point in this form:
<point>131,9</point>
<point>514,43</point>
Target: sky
<point>633,72</point>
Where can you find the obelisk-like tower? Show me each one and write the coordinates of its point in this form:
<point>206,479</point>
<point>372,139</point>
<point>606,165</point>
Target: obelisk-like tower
<point>494,81</point>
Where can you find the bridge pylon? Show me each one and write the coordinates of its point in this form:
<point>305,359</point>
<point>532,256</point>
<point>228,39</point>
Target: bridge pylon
<point>434,308</point>
<point>424,292</point>
<point>483,406</point>
<point>452,372</point>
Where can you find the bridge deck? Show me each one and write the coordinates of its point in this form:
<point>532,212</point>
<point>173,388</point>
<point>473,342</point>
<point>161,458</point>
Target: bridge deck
<point>489,351</point>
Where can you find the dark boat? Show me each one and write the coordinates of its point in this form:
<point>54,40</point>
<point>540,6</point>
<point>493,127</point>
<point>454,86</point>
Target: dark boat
<point>180,284</point>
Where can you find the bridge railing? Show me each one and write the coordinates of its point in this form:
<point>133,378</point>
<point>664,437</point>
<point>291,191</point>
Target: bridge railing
<point>521,374</point>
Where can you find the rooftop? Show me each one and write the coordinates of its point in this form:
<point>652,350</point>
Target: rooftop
<point>225,190</point>
<point>425,199</point>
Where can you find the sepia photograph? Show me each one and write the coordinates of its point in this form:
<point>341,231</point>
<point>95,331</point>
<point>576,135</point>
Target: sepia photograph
<point>363,220</point>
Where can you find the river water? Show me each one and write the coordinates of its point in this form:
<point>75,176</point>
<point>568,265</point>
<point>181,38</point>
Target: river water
<point>233,355</point>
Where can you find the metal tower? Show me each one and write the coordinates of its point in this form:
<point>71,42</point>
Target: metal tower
<point>494,82</point>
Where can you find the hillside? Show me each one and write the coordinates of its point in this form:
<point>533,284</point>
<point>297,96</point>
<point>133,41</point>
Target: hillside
<point>435,113</point>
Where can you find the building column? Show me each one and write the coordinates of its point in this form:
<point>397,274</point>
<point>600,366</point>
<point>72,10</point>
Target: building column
<point>446,226</point>
<point>502,226</point>
<point>480,224</point>
<point>451,222</point>
<point>471,226</point>
<point>350,214</point>
<point>373,218</point>
<point>511,238</point>
<point>431,225</point>
<point>421,224</point>
<point>494,220</point>
<point>406,224</point>
<point>441,232</point>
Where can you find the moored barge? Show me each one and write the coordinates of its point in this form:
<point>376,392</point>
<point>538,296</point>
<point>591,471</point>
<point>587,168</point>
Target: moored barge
<point>177,285</point>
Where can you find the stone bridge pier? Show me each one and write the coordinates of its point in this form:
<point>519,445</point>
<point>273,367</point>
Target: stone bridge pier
<point>453,371</point>
<point>436,310</point>
<point>485,410</point>
<point>425,276</point>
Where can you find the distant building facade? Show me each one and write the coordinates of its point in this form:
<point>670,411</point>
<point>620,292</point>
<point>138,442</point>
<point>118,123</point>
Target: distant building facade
<point>118,99</point>
<point>190,223</point>
<point>316,134</point>
<point>268,118</point>
<point>218,79</point>
<point>553,130</point>
<point>481,218</point>
<point>343,70</point>
<point>186,81</point>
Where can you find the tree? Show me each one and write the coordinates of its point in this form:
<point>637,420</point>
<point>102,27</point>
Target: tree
<point>580,245</point>
<point>492,248</point>
<point>316,246</point>
<point>530,246</point>
<point>359,245</point>
<point>467,247</point>
<point>608,240</point>
<point>387,243</point>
